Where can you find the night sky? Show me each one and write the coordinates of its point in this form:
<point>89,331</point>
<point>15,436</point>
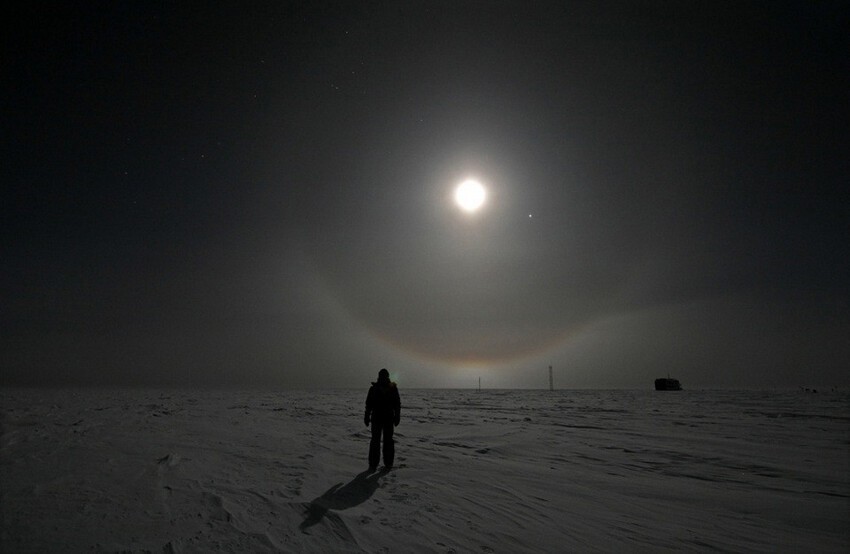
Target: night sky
<point>261,194</point>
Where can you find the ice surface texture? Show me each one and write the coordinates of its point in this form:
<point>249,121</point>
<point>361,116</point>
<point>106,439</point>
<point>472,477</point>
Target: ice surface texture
<point>489,471</point>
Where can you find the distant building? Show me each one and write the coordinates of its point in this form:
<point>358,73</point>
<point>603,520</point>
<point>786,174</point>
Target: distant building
<point>667,383</point>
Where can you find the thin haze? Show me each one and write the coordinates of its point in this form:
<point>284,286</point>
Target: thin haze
<point>262,196</point>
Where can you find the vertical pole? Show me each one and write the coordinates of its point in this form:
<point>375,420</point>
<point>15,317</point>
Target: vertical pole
<point>479,384</point>
<point>551,383</point>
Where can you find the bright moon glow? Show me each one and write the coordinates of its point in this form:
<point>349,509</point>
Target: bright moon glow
<point>470,195</point>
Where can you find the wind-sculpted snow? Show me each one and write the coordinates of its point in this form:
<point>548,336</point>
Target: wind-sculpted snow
<point>489,471</point>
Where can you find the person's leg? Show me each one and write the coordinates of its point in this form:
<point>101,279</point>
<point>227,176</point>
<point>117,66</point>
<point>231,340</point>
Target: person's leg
<point>389,444</point>
<point>375,445</point>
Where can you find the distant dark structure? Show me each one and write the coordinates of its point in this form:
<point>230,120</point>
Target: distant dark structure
<point>667,383</point>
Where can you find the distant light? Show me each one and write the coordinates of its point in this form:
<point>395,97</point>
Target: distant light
<point>470,195</point>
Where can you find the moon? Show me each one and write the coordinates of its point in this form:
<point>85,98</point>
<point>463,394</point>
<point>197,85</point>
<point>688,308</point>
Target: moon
<point>470,195</point>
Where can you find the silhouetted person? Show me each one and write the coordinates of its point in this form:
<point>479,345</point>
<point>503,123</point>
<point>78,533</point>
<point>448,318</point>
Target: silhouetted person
<point>383,410</point>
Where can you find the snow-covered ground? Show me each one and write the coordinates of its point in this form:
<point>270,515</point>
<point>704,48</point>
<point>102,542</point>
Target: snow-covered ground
<point>489,471</point>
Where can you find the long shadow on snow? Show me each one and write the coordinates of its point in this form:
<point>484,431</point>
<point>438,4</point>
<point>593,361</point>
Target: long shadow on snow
<point>341,497</point>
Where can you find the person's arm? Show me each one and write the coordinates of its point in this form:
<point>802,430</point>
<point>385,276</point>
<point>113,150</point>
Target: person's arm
<point>368,408</point>
<point>396,407</point>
